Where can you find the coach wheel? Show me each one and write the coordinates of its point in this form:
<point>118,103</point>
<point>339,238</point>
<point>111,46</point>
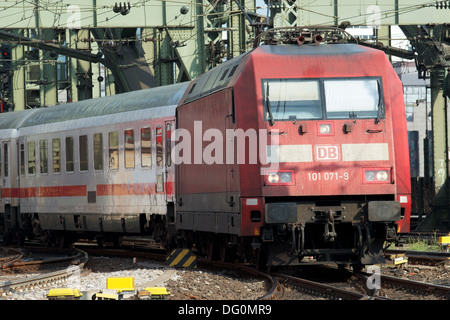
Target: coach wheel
<point>357,267</point>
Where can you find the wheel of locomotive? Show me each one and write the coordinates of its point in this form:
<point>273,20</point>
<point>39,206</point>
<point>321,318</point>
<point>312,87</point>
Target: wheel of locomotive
<point>224,251</point>
<point>210,250</point>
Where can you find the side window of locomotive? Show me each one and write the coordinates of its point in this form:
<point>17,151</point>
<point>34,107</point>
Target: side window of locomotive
<point>146,147</point>
<point>353,98</point>
<point>113,145</point>
<point>69,154</point>
<point>56,151</point>
<point>5,160</point>
<point>98,151</point>
<point>129,148</point>
<point>22,159</point>
<point>83,151</point>
<point>31,157</point>
<point>291,99</point>
<point>43,156</point>
<point>159,147</point>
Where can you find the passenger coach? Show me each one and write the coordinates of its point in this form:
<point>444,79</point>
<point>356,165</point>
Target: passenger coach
<point>98,168</point>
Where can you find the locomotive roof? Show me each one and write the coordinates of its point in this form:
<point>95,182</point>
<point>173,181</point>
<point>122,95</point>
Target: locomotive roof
<point>314,50</point>
<point>130,101</point>
<point>221,76</point>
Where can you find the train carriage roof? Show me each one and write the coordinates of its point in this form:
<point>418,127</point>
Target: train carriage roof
<point>131,101</point>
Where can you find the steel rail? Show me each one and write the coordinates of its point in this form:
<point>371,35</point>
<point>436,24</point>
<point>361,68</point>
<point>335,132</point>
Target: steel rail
<point>46,278</point>
<point>429,288</point>
<point>324,289</point>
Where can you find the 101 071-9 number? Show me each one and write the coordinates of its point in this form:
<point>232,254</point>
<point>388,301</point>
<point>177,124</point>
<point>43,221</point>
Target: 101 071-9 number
<point>328,176</point>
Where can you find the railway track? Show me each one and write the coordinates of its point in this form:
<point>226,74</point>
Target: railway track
<point>391,287</point>
<point>408,287</point>
<point>78,261</point>
<point>9,257</point>
<point>422,257</point>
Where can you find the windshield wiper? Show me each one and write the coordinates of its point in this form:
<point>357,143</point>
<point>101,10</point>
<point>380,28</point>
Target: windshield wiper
<point>380,105</point>
<point>272,122</point>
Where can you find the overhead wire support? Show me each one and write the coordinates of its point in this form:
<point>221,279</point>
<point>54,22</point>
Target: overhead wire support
<point>258,25</point>
<point>50,46</point>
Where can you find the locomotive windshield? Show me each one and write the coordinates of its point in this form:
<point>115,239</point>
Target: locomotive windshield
<point>309,99</point>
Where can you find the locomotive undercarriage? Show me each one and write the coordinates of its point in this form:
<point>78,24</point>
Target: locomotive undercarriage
<point>329,231</point>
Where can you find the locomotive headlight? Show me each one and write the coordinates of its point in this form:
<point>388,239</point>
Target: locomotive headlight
<point>282,177</point>
<point>382,175</point>
<point>286,177</point>
<point>376,175</point>
<point>325,128</point>
<point>369,175</point>
<point>273,178</point>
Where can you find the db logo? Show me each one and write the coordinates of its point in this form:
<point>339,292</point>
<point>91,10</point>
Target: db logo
<point>327,153</point>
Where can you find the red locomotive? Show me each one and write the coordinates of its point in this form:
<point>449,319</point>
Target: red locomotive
<point>287,154</point>
<point>335,182</point>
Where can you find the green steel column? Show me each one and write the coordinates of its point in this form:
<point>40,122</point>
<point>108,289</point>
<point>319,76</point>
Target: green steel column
<point>48,89</point>
<point>440,142</point>
<point>84,71</point>
<point>18,75</point>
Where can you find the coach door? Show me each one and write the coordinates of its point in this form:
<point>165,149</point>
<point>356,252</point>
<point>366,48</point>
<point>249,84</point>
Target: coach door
<point>169,166</point>
<point>159,135</point>
<point>6,172</point>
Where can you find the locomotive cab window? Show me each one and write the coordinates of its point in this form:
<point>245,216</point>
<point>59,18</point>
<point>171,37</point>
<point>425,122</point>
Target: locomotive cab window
<point>292,99</point>
<point>314,99</point>
<point>352,98</point>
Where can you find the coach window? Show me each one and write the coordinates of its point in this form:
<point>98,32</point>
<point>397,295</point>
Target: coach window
<point>83,150</point>
<point>56,151</point>
<point>5,160</point>
<point>98,151</point>
<point>129,148</point>
<point>113,144</point>
<point>43,154</point>
<point>31,157</point>
<point>146,147</point>
<point>159,147</point>
<point>69,154</point>
<point>22,159</point>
